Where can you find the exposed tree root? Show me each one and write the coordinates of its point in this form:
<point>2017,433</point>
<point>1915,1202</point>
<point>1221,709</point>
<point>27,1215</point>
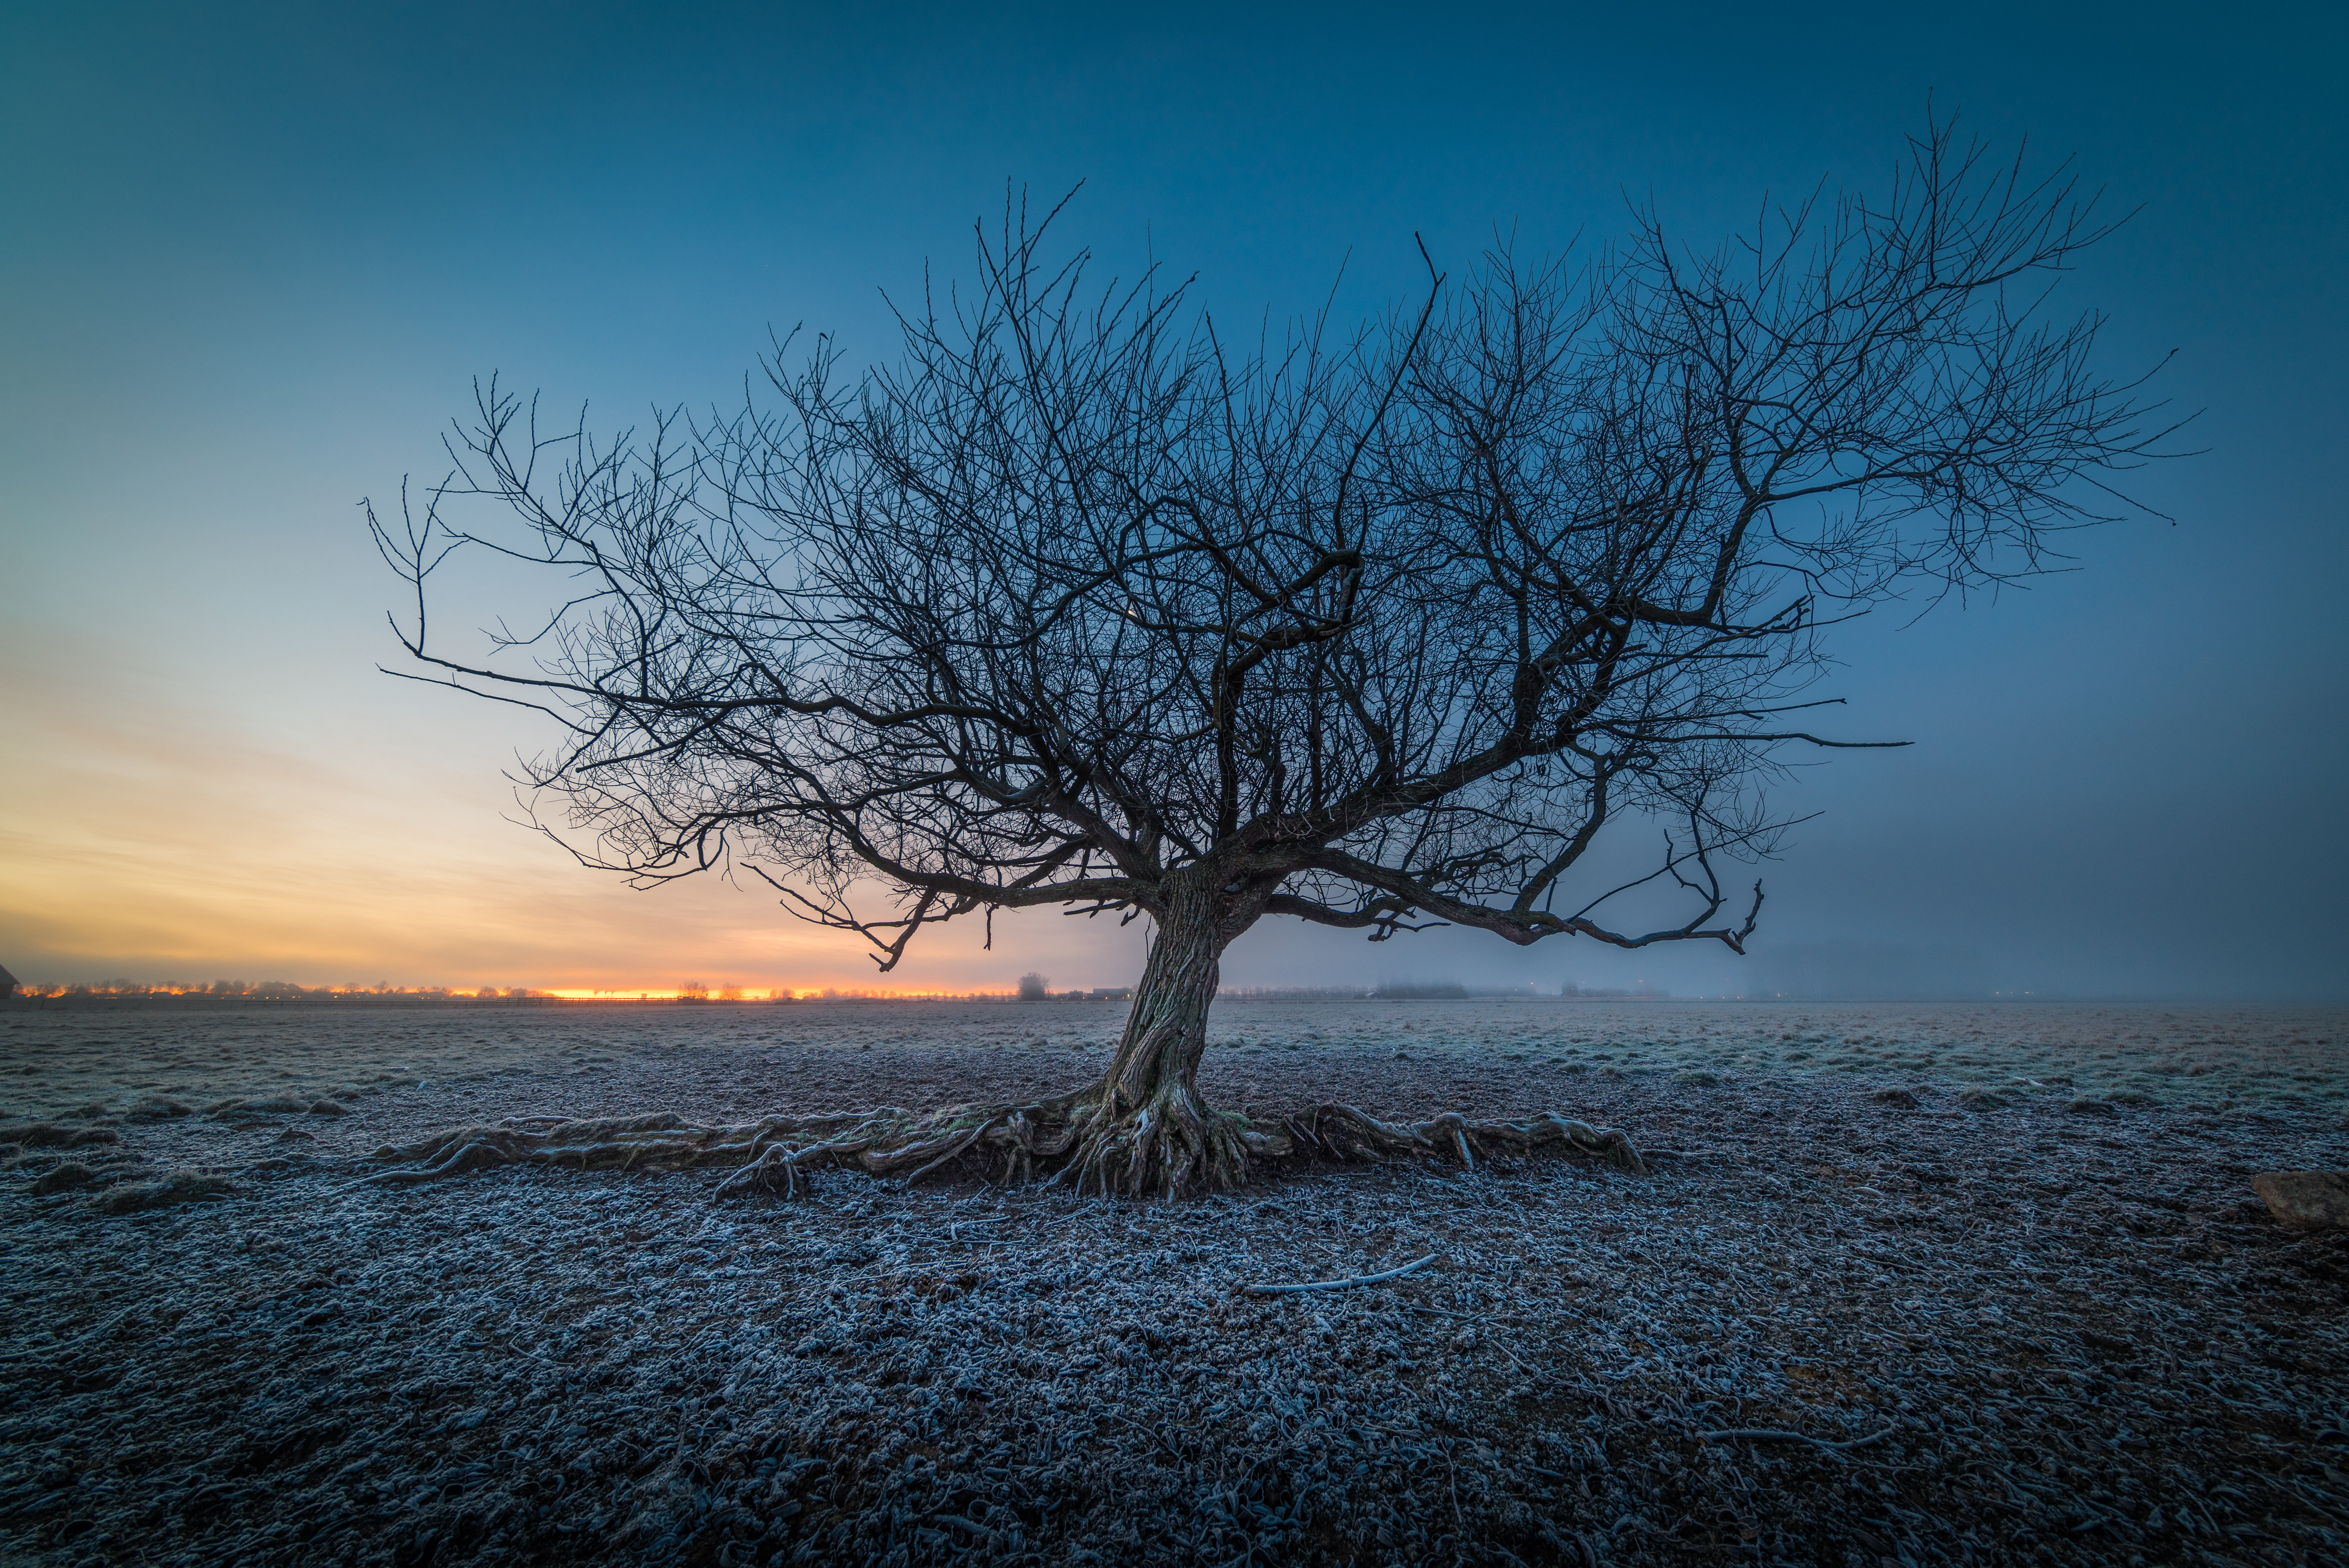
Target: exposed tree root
<point>1172,1143</point>
<point>1343,1133</point>
<point>1170,1146</point>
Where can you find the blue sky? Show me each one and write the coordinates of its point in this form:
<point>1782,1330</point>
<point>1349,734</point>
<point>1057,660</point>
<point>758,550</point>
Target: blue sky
<point>254,255</point>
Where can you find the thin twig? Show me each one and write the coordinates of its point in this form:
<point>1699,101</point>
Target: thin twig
<point>1475,1317</point>
<point>959,1522</point>
<point>1772,1435</point>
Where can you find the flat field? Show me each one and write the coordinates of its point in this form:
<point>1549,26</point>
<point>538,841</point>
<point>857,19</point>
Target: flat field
<point>1909,1284</point>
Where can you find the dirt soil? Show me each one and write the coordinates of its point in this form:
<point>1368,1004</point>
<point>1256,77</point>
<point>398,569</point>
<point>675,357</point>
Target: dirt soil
<point>1974,1314</point>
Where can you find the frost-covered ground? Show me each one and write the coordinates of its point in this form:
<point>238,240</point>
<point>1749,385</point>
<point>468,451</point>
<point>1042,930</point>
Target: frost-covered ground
<point>2009,1253</point>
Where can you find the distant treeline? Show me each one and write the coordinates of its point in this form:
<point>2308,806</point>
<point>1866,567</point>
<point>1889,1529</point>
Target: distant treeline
<point>278,992</point>
<point>1437,990</point>
<point>242,993</point>
<point>269,991</point>
<point>39,996</point>
<point>1294,993</point>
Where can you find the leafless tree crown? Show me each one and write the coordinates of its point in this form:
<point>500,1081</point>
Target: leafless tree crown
<point>1077,605</point>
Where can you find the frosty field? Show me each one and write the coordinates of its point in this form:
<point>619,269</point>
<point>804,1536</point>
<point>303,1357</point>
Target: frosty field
<point>1988,1280</point>
<point>60,1060</point>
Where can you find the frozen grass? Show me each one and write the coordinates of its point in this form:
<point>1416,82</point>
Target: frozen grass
<point>2036,1333</point>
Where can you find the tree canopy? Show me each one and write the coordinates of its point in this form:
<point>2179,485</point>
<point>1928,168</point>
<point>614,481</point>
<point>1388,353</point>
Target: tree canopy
<point>1078,603</point>
<point>1075,596</point>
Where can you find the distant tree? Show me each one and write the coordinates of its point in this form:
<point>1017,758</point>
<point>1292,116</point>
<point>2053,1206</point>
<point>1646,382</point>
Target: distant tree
<point>1033,987</point>
<point>1077,605</point>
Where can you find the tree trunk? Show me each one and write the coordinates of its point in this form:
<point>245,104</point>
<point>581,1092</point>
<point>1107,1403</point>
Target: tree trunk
<point>1146,1131</point>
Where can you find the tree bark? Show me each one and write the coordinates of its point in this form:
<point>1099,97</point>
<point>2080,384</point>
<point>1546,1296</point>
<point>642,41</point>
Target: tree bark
<point>1146,1130</point>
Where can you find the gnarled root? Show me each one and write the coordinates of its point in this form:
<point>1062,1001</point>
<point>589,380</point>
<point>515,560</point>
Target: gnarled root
<point>1172,1144</point>
<point>1343,1133</point>
<point>775,1155</point>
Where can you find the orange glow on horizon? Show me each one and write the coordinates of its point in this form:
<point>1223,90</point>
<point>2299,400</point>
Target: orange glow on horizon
<point>776,993</point>
<point>175,849</point>
<point>281,991</point>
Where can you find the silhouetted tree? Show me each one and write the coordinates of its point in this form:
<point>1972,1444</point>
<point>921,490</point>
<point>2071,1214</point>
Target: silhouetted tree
<point>1074,605</point>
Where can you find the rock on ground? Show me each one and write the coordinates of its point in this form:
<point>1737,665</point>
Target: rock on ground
<point>2318,1199</point>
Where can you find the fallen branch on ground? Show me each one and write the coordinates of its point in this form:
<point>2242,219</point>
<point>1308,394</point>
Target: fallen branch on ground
<point>1347,1283</point>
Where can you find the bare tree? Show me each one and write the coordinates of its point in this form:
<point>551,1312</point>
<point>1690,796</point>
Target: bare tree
<point>1076,604</point>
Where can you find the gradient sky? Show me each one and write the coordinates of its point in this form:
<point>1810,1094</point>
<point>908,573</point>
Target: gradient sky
<point>253,257</point>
